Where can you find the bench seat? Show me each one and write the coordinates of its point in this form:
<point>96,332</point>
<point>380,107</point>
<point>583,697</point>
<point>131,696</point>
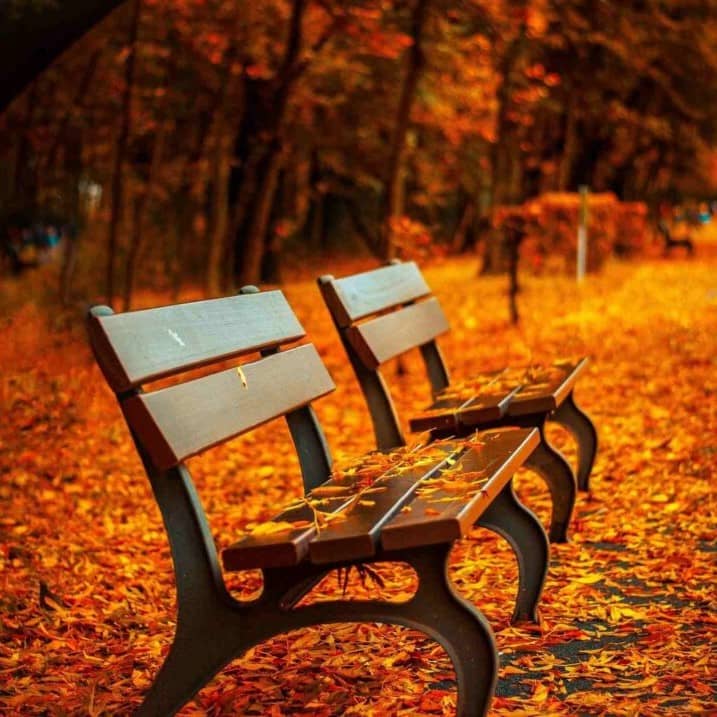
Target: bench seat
<point>489,397</point>
<point>426,496</point>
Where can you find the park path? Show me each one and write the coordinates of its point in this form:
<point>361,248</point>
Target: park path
<point>628,615</point>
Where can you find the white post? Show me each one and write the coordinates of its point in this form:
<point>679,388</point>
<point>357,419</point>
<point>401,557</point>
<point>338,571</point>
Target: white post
<point>582,258</point>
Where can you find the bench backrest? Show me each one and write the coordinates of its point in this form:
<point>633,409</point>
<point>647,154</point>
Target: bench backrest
<point>381,314</point>
<point>173,423</point>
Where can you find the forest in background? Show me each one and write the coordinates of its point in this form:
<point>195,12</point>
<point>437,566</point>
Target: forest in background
<point>202,141</point>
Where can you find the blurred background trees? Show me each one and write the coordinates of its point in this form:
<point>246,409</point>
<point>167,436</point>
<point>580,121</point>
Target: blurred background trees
<point>204,141</point>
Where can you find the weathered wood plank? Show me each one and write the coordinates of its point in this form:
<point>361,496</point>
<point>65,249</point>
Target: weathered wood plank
<point>337,514</point>
<point>355,297</point>
<point>441,415</point>
<point>356,535</point>
<point>448,414</point>
<point>180,421</point>
<point>385,337</point>
<point>418,502</point>
<point>547,391</point>
<point>446,507</point>
<point>282,546</point>
<point>486,407</point>
<point>141,346</point>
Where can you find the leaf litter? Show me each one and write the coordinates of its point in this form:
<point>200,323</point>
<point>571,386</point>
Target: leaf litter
<point>628,612</point>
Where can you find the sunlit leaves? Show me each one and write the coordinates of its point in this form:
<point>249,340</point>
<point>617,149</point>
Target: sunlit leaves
<point>628,612</point>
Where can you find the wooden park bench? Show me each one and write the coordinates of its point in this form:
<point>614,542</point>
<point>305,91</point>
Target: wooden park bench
<point>412,510</point>
<point>383,313</point>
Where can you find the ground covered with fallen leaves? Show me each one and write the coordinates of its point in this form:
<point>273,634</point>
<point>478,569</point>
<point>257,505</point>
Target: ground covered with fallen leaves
<point>628,612</point>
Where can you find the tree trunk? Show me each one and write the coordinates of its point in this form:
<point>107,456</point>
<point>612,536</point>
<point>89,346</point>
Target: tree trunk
<point>144,197</point>
<point>247,157</point>
<point>259,154</point>
<point>117,189</point>
<point>183,233</point>
<point>317,227</point>
<point>219,212</point>
<point>140,211</point>
<point>462,235</point>
<point>74,106</point>
<point>505,152</point>
<point>67,270</point>
<point>71,210</point>
<point>570,146</point>
<point>254,244</point>
<point>393,182</point>
<point>189,184</point>
<point>23,193</point>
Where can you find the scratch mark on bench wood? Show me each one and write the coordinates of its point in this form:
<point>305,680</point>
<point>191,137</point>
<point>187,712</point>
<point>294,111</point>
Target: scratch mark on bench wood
<point>176,337</point>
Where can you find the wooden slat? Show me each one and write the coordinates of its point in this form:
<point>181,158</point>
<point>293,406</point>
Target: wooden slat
<point>180,421</point>
<point>372,518</point>
<point>356,536</point>
<point>380,339</point>
<point>277,543</point>
<point>539,396</point>
<point>450,414</point>
<point>278,549</point>
<point>485,407</point>
<point>140,346</point>
<point>439,416</point>
<point>355,297</point>
<point>440,514</point>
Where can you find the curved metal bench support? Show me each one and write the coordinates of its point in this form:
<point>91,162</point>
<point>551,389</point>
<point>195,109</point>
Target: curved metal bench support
<point>577,422</point>
<point>551,465</point>
<point>213,628</point>
<point>204,645</point>
<point>522,529</point>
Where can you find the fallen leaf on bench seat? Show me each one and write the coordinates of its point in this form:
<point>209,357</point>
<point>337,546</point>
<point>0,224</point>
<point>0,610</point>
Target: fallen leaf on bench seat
<point>271,527</point>
<point>242,377</point>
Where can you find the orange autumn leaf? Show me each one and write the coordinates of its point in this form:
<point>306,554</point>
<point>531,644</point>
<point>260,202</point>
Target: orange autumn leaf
<point>626,614</point>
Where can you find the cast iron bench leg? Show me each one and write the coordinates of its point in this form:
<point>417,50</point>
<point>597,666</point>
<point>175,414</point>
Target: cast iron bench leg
<point>457,625</point>
<point>573,419</point>
<point>559,476</point>
<point>206,645</point>
<point>520,527</point>
<point>436,610</point>
<point>208,626</point>
<point>196,655</point>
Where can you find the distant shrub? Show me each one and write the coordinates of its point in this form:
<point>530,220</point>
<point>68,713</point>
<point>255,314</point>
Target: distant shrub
<point>550,224</point>
<point>631,229</point>
<point>413,240</point>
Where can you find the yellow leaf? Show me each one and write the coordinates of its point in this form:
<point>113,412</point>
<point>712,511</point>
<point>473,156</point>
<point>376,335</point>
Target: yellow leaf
<point>278,526</point>
<point>324,491</point>
<point>242,377</point>
<point>589,579</point>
